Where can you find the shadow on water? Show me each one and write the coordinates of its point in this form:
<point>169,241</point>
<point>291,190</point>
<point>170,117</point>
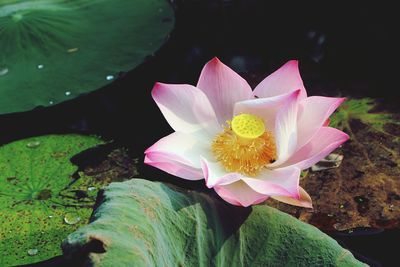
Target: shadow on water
<point>342,49</point>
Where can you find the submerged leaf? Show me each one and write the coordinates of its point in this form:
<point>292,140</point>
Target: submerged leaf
<point>143,223</point>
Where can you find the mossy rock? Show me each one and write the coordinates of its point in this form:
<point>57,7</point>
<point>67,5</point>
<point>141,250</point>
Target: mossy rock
<point>143,223</point>
<point>55,50</point>
<point>40,200</point>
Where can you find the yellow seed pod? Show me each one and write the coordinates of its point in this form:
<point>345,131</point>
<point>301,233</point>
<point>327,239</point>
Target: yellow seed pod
<point>248,126</point>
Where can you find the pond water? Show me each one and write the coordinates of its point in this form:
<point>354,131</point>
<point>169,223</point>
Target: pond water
<point>342,50</point>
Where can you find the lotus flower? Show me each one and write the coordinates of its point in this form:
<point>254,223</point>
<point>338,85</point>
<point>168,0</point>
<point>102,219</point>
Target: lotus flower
<point>247,145</point>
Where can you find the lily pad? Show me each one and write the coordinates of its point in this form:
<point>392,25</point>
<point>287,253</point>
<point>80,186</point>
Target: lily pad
<point>365,190</point>
<point>143,223</point>
<point>55,50</point>
<point>39,201</point>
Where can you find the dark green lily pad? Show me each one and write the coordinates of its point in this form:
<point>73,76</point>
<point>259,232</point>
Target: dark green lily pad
<point>143,223</point>
<point>55,50</point>
<point>40,201</point>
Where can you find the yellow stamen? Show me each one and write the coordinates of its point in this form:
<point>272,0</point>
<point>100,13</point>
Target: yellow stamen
<point>245,146</point>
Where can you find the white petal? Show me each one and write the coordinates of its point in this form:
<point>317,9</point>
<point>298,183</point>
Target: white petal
<point>286,130</point>
<point>186,108</point>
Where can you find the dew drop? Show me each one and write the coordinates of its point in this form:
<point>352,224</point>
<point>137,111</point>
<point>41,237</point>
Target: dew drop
<point>67,93</point>
<point>51,102</point>
<point>17,17</point>
<point>71,218</point>
<point>91,188</point>
<point>50,216</point>
<point>33,144</point>
<point>40,66</point>
<point>72,50</point>
<point>3,70</point>
<point>109,77</point>
<point>33,251</point>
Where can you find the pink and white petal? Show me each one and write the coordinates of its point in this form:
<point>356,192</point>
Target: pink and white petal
<point>173,167</point>
<point>284,80</point>
<point>265,108</point>
<point>285,131</point>
<point>277,182</point>
<point>215,174</point>
<point>322,144</point>
<point>239,194</point>
<point>186,108</point>
<point>303,201</point>
<point>184,148</point>
<point>313,113</point>
<point>224,88</point>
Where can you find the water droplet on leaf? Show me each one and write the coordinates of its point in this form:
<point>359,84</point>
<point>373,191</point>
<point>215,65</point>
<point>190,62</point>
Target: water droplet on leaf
<point>71,218</point>
<point>92,188</point>
<point>72,50</point>
<point>17,17</point>
<point>3,70</point>
<point>67,93</point>
<point>33,144</point>
<point>33,251</point>
<point>109,77</point>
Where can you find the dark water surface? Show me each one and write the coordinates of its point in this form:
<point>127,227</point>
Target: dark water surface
<point>342,49</point>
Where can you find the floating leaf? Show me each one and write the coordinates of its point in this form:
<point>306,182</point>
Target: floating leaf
<point>143,223</point>
<point>37,196</point>
<point>54,50</point>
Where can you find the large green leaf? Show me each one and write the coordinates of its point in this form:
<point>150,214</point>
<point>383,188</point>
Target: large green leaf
<point>143,223</point>
<point>40,201</point>
<point>54,50</point>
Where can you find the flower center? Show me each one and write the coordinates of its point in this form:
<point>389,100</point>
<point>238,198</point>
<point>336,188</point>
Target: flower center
<point>245,146</point>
